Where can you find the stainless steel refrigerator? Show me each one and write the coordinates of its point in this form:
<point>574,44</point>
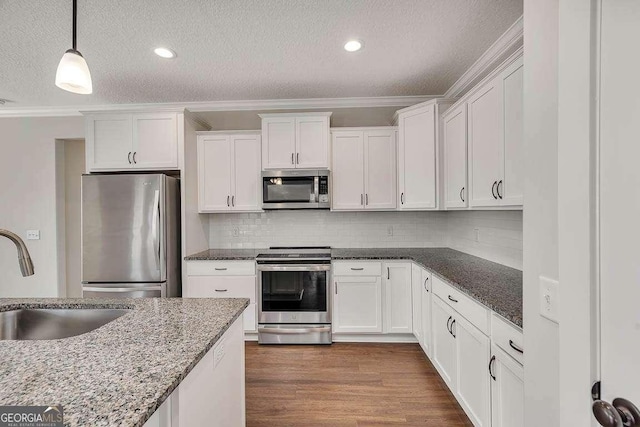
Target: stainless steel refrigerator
<point>130,236</point>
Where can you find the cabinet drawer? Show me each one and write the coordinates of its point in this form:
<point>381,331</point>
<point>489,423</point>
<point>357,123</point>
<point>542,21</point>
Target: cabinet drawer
<point>221,268</point>
<point>221,287</point>
<point>508,337</point>
<point>357,268</point>
<point>473,311</point>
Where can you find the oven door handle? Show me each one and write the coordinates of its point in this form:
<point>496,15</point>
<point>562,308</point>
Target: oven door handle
<point>294,267</point>
<point>291,331</point>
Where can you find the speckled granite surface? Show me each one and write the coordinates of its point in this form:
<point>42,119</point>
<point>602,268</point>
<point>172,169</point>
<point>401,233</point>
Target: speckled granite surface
<point>497,286</point>
<point>224,254</point>
<point>120,373</point>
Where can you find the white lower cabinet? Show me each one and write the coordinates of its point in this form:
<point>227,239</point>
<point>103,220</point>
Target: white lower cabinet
<point>224,279</point>
<point>213,393</point>
<point>472,380</point>
<point>461,354</point>
<point>398,306</point>
<point>416,302</point>
<point>507,390</point>
<point>357,304</point>
<point>444,343</point>
<point>425,290</point>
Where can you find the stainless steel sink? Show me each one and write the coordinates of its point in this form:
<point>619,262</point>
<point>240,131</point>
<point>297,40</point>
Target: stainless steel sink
<point>51,324</point>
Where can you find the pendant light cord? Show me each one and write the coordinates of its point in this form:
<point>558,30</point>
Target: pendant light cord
<point>75,15</point>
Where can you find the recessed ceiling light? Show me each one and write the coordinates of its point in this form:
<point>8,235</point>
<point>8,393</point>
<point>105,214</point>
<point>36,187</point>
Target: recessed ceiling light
<point>163,52</point>
<point>353,45</point>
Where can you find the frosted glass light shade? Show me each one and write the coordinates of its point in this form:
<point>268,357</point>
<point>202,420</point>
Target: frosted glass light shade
<point>73,73</point>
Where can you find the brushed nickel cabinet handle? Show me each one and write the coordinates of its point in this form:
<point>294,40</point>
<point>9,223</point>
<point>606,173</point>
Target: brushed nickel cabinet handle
<point>451,299</point>
<point>498,189</point>
<point>493,359</point>
<point>292,162</point>
<point>233,200</point>
<point>493,190</point>
<point>515,347</point>
<point>221,290</point>
<point>298,158</point>
<point>228,205</point>
<point>129,157</point>
<point>134,157</point>
<point>221,268</point>
<point>357,269</point>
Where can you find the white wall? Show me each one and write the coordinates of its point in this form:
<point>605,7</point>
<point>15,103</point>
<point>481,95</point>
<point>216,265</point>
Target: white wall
<point>499,235</point>
<point>28,199</point>
<point>540,219</point>
<point>74,167</point>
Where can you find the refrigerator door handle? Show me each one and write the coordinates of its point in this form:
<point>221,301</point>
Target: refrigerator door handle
<point>156,226</point>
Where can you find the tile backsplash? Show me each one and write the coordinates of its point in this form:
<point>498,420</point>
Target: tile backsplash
<point>499,232</point>
<point>325,228</point>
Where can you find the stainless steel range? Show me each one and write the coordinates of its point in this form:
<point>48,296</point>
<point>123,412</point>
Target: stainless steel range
<point>293,295</point>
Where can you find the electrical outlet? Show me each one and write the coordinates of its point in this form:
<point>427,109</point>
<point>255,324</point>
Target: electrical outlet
<point>476,234</point>
<point>549,296</point>
<point>390,230</point>
<point>33,234</point>
<point>236,232</point>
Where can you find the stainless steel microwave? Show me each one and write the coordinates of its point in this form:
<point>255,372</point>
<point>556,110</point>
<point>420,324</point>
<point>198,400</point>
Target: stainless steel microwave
<point>295,189</point>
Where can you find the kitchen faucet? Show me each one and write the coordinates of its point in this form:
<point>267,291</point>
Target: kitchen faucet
<point>26,265</point>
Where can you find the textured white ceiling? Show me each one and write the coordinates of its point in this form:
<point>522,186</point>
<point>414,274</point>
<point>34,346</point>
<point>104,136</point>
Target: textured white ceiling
<point>245,49</point>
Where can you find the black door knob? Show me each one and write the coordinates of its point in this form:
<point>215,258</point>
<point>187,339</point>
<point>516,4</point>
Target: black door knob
<point>622,413</point>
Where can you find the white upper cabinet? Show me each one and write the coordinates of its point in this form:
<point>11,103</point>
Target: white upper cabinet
<point>363,168</point>
<point>455,157</point>
<point>398,305</point>
<point>495,129</point>
<point>109,142</point>
<point>312,142</point>
<point>347,170</point>
<point>155,141</point>
<point>380,169</point>
<point>228,172</point>
<point>291,141</point>
<point>145,141</point>
<point>485,141</point>
<point>511,188</point>
<point>417,160</point>
<point>214,173</point>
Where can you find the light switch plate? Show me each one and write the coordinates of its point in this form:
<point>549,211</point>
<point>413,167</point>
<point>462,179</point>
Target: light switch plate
<point>549,298</point>
<point>33,234</point>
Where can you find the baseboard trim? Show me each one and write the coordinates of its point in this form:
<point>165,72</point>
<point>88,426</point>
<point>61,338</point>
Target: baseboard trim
<point>375,338</point>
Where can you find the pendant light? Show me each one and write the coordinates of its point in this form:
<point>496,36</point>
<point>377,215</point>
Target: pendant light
<point>73,73</point>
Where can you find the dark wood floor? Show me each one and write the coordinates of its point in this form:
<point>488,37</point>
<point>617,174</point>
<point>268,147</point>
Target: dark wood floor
<point>346,385</point>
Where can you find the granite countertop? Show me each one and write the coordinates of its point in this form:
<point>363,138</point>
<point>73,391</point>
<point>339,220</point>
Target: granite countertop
<point>120,373</point>
<point>224,254</point>
<point>497,286</point>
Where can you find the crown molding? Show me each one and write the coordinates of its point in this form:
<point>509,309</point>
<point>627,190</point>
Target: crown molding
<point>509,42</point>
<point>195,107</point>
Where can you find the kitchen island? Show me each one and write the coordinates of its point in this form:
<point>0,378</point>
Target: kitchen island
<point>122,372</point>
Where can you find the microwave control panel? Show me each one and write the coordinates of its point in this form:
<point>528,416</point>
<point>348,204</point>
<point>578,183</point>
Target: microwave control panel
<point>323,189</point>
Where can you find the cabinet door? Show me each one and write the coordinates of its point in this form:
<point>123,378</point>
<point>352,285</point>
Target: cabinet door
<point>109,142</point>
<point>485,142</point>
<point>473,389</point>
<point>312,142</point>
<point>380,169</point>
<point>357,305</point>
<point>416,301</point>
<point>417,154</point>
<point>347,174</point>
<point>155,141</point>
<point>426,313</point>
<point>507,391</point>
<point>443,353</point>
<point>214,173</point>
<point>397,282</point>
<point>511,188</point>
<point>278,142</point>
<point>246,182</point>
<point>455,158</point>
